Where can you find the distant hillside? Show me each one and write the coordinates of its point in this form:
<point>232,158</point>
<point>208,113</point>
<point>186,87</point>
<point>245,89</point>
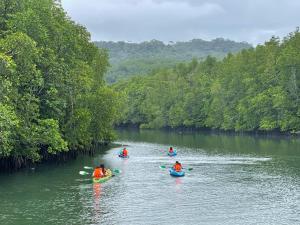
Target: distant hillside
<point>128,59</point>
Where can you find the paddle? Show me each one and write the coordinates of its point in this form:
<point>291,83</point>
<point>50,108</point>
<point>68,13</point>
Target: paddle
<point>116,171</point>
<point>164,167</point>
<point>91,168</point>
<point>88,167</point>
<point>83,173</point>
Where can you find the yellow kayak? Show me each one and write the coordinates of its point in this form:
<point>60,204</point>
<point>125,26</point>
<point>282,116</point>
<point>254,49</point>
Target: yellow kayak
<point>108,175</point>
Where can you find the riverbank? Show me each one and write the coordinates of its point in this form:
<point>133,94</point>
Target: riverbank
<point>13,164</point>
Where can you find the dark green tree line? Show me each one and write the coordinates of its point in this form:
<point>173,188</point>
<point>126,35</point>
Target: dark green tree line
<point>255,89</point>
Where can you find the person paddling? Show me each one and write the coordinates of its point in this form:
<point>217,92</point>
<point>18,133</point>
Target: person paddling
<point>177,166</point>
<point>125,152</point>
<point>104,171</point>
<point>98,172</point>
<point>171,150</point>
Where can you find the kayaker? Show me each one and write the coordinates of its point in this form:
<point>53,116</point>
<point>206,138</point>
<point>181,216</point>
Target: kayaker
<point>177,166</point>
<point>171,150</point>
<point>98,173</point>
<point>103,169</point>
<point>125,152</point>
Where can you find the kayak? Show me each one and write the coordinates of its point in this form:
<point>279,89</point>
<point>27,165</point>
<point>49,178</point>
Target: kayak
<point>174,153</point>
<point>103,179</point>
<point>175,173</point>
<point>123,156</point>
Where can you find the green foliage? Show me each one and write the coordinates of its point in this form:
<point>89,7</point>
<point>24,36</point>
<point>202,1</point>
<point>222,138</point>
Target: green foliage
<point>49,136</point>
<point>53,96</point>
<point>255,89</point>
<point>130,59</point>
<point>104,108</point>
<point>9,124</point>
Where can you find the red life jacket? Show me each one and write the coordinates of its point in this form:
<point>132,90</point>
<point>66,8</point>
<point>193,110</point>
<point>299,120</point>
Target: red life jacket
<point>125,152</point>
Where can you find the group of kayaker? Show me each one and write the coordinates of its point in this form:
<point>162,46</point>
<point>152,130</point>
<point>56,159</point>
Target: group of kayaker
<point>177,166</point>
<point>101,172</point>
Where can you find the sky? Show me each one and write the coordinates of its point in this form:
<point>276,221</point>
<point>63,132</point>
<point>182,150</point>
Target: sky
<point>253,21</point>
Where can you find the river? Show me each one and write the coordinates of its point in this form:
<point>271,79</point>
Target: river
<point>235,180</point>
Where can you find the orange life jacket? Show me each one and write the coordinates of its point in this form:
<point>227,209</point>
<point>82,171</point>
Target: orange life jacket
<point>125,152</point>
<point>98,173</point>
<point>177,167</point>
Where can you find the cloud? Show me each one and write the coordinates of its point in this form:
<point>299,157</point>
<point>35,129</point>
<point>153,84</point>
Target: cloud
<point>137,20</point>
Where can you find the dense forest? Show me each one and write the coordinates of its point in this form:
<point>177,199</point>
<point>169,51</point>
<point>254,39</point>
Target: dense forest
<point>129,59</point>
<point>255,89</point>
<point>52,94</point>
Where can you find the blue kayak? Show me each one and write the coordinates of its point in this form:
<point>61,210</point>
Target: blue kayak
<point>122,156</point>
<point>175,173</point>
<point>174,153</point>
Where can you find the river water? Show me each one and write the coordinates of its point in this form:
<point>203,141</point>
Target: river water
<point>235,180</point>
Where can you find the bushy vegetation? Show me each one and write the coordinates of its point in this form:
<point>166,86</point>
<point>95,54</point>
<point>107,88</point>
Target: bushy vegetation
<point>255,89</point>
<point>129,59</point>
<point>52,94</point>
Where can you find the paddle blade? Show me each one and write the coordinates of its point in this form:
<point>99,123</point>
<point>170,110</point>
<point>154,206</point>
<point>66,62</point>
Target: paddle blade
<point>88,167</point>
<point>189,169</point>
<point>117,171</point>
<point>163,167</point>
<point>83,173</point>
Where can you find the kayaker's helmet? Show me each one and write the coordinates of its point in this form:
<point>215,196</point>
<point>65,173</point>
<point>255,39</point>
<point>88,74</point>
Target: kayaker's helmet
<point>102,165</point>
<point>171,147</point>
<point>177,162</point>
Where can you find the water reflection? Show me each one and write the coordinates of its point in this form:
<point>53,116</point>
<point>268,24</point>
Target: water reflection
<point>218,143</point>
<point>97,191</point>
<point>178,184</point>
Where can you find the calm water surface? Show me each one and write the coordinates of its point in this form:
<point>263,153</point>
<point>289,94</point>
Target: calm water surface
<point>235,180</point>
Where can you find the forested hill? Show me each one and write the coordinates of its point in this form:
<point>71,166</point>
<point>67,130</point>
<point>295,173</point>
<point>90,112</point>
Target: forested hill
<point>255,89</point>
<point>128,59</point>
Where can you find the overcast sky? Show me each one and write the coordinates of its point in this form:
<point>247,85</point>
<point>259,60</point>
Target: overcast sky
<point>254,21</point>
